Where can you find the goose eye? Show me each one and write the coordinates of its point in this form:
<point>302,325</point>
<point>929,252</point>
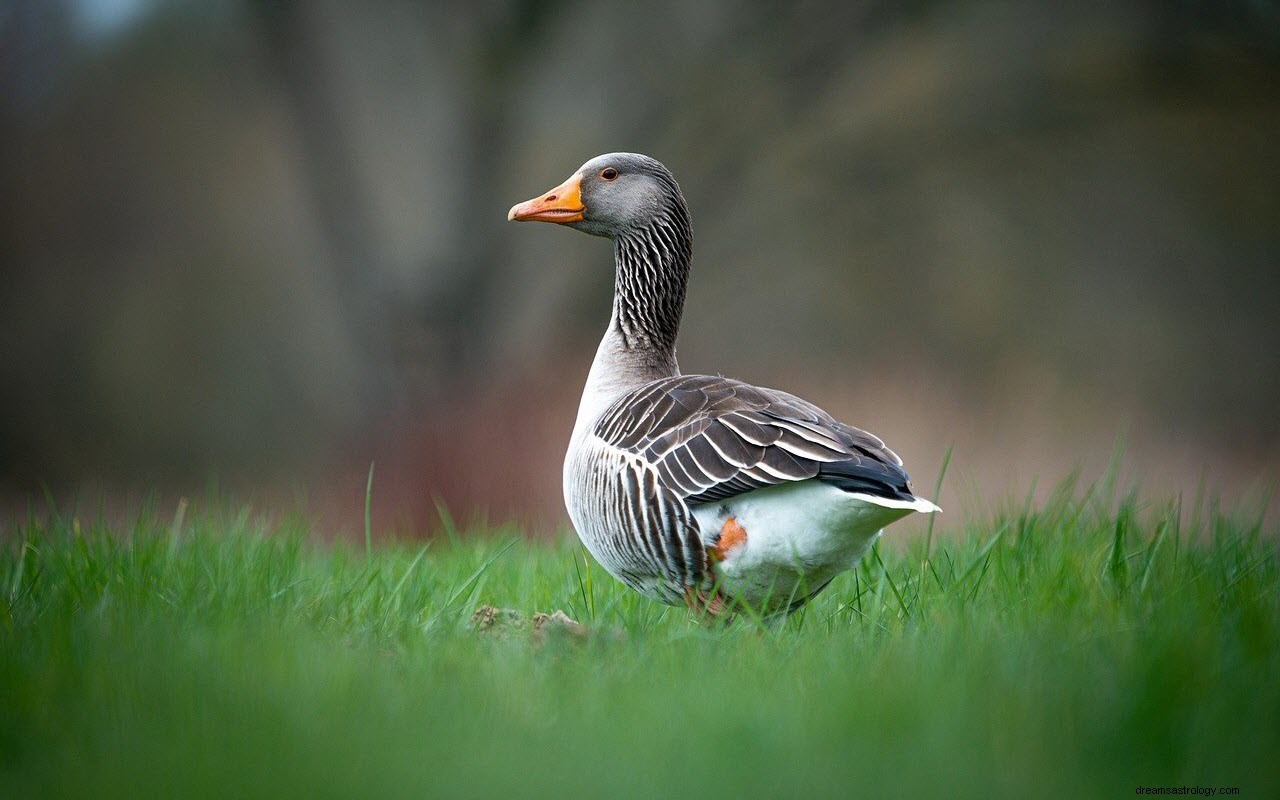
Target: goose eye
<point>608,173</point>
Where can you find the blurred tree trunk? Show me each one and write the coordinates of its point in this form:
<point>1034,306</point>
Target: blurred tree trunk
<point>331,179</point>
<point>495,46</point>
<point>494,43</point>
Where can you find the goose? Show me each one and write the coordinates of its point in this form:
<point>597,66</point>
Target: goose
<point>699,489</point>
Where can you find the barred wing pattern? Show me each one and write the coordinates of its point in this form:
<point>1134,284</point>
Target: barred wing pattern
<point>692,439</point>
<point>711,438</point>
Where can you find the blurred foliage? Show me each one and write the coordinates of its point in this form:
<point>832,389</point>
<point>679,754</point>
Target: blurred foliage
<point>253,238</point>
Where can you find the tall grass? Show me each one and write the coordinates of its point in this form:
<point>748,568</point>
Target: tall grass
<point>1078,649</point>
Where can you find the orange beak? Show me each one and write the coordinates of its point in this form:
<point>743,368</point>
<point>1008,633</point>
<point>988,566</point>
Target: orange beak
<point>562,204</point>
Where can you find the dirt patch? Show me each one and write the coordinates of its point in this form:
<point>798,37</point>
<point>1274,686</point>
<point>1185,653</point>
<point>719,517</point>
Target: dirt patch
<point>507,622</point>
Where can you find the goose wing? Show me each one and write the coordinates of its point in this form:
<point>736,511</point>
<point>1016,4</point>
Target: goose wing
<point>709,438</point>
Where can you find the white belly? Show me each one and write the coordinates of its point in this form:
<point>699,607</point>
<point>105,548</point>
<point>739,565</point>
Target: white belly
<point>798,537</point>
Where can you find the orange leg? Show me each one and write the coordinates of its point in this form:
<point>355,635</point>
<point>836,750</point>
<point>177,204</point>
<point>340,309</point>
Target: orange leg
<point>707,610</point>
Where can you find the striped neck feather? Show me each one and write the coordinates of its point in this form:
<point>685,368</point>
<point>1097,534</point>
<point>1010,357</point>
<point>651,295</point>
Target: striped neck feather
<point>648,301</point>
<point>652,272</point>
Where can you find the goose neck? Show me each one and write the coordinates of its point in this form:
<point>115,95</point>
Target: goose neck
<point>639,346</point>
<point>650,277</point>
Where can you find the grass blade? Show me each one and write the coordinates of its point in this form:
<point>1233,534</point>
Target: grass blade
<point>937,492</point>
<point>368,505</point>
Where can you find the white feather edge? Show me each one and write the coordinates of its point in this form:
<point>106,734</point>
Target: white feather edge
<point>919,504</point>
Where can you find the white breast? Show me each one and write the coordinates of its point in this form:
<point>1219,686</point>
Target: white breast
<point>798,537</point>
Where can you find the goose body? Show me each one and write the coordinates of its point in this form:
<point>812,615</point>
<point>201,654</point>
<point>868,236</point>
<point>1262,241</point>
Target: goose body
<point>701,489</point>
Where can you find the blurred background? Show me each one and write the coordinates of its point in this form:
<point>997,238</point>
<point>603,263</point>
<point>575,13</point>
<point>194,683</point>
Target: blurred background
<point>259,245</point>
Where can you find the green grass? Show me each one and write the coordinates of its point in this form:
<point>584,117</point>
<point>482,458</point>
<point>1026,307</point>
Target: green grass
<point>1080,649</point>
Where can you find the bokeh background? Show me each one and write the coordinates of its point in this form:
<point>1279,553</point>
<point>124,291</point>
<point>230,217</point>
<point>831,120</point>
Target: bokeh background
<point>260,245</point>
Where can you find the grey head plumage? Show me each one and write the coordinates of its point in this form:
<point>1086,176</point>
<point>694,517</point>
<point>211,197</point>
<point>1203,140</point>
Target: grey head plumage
<point>612,195</point>
<point>626,193</point>
<point>635,201</point>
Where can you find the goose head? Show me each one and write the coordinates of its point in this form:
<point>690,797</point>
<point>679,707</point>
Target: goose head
<point>612,195</point>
